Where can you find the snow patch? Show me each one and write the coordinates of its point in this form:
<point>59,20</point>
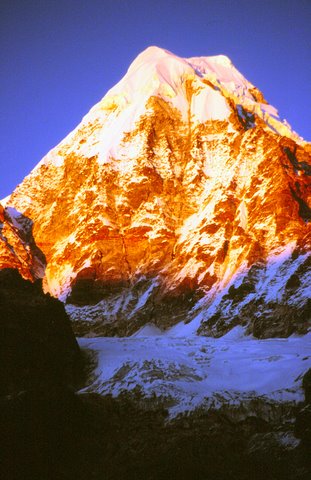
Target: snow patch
<point>277,272</point>
<point>148,330</point>
<point>144,297</point>
<point>5,201</point>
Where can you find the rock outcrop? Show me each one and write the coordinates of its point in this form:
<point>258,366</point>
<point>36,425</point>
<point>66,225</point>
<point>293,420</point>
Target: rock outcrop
<point>38,348</point>
<point>17,246</point>
<point>40,368</point>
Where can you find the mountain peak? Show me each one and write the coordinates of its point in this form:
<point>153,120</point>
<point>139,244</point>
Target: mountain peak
<point>154,53</point>
<point>164,60</point>
<point>180,192</point>
<point>215,81</point>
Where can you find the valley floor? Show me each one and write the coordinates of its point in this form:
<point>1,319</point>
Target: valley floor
<point>196,371</point>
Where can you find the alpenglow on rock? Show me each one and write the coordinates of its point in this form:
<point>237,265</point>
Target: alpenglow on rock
<point>18,249</point>
<point>181,196</point>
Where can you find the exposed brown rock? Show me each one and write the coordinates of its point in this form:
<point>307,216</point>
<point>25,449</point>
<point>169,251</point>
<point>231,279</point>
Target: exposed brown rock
<point>17,246</point>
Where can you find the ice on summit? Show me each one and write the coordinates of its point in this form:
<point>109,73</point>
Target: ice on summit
<point>157,72</point>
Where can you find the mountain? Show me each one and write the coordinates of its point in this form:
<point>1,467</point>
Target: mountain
<point>179,205</point>
<point>180,197</point>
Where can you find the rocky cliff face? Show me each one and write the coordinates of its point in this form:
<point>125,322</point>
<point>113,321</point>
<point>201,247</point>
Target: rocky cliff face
<point>180,196</point>
<point>17,246</point>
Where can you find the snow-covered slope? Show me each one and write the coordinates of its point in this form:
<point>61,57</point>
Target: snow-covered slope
<point>188,372</point>
<point>181,196</point>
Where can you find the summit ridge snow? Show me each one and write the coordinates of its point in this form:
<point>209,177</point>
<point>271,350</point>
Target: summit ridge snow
<point>159,72</point>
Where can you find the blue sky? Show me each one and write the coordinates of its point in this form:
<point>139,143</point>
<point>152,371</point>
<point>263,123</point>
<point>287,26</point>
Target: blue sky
<point>58,58</point>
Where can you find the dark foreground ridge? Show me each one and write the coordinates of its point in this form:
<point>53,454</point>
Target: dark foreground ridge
<point>38,347</point>
<point>60,435</point>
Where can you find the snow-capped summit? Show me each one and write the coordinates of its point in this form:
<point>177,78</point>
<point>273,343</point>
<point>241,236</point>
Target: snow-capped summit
<point>207,85</point>
<point>181,196</point>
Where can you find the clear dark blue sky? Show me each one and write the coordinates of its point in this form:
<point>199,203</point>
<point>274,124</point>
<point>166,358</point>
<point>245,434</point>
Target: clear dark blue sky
<point>58,58</point>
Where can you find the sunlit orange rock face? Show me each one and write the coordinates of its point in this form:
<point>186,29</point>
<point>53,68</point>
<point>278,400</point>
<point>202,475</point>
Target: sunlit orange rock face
<point>17,246</point>
<point>180,196</point>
